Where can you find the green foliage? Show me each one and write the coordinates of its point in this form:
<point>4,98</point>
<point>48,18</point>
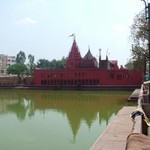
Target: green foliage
<point>31,64</point>
<point>17,69</point>
<point>21,57</point>
<point>54,64</point>
<point>20,68</point>
<point>139,64</point>
<point>139,41</point>
<point>139,35</point>
<point>43,63</point>
<point>129,64</point>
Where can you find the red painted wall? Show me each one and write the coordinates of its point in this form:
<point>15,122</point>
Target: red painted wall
<point>86,76</point>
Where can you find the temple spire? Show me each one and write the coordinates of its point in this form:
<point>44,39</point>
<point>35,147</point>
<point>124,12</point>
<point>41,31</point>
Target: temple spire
<point>100,50</point>
<point>89,48</point>
<point>74,58</point>
<point>73,35</point>
<point>107,53</point>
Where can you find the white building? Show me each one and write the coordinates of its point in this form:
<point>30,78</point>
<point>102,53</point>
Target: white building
<point>5,62</point>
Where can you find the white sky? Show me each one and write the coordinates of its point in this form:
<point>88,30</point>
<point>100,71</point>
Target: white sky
<point>42,27</point>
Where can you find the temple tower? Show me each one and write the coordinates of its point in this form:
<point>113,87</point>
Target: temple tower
<point>74,58</point>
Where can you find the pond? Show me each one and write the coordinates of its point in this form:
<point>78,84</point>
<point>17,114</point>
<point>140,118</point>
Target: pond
<point>56,120</point>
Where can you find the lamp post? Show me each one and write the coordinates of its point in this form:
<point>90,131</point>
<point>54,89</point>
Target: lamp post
<point>147,14</point>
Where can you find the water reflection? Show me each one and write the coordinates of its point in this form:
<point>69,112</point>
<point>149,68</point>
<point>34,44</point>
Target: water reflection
<point>77,106</point>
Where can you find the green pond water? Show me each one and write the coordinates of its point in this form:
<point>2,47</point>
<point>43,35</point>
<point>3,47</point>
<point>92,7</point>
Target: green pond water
<point>56,120</point>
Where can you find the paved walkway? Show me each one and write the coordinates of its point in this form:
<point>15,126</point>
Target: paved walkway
<point>134,96</point>
<point>114,137</point>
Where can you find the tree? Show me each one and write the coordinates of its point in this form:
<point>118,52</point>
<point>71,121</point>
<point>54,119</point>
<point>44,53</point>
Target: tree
<point>62,62</point>
<point>31,64</point>
<point>139,40</point>
<point>17,69</point>
<point>54,64</point>
<point>43,63</point>
<point>21,57</point>
<point>129,64</point>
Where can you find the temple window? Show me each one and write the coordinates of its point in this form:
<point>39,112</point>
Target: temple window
<point>42,82</point>
<point>82,74</point>
<point>119,77</point>
<point>112,76</point>
<point>79,74</point>
<point>75,74</point>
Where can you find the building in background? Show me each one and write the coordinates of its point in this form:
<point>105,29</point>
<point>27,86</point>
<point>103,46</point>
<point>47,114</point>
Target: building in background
<point>5,62</point>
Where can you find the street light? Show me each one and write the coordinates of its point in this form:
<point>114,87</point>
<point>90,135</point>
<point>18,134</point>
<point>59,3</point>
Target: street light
<point>147,14</point>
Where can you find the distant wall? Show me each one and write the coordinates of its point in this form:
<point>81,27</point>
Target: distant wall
<point>8,81</point>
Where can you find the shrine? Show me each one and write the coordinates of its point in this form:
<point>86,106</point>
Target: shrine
<point>87,72</point>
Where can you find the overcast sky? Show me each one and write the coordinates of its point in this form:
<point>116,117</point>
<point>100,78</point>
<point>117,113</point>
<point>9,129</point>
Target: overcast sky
<point>42,27</point>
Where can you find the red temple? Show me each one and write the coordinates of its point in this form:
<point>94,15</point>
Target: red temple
<point>87,72</point>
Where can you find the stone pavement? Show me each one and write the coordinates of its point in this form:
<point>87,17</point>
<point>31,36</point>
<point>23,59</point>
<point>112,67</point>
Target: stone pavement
<point>115,136</point>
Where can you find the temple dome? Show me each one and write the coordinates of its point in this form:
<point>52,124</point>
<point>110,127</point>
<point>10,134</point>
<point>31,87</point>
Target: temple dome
<point>89,61</point>
<point>88,55</point>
